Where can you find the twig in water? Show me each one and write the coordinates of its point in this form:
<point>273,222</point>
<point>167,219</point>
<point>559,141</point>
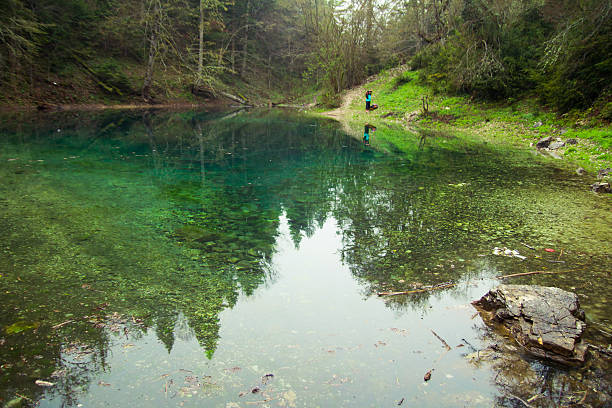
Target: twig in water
<point>517,398</point>
<point>441,339</point>
<point>530,247</point>
<point>57,326</point>
<point>407,292</point>
<point>535,273</point>
<point>259,402</point>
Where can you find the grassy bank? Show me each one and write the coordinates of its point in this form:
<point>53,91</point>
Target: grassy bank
<point>522,123</point>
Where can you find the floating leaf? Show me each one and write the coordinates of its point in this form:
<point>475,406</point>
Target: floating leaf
<point>20,326</point>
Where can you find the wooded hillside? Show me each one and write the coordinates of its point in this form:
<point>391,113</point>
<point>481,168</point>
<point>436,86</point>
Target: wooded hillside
<point>106,51</point>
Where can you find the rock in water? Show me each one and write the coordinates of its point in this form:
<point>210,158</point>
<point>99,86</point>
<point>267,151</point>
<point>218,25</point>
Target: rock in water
<point>547,321</point>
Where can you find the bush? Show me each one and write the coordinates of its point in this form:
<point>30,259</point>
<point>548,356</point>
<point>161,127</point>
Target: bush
<point>606,112</point>
<point>331,99</point>
<point>486,60</point>
<point>403,78</point>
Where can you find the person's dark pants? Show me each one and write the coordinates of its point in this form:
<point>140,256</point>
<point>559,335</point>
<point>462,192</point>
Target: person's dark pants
<point>367,105</point>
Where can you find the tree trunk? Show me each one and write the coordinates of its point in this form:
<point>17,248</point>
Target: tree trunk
<point>148,80</point>
<point>233,56</point>
<point>153,40</point>
<point>269,71</point>
<point>246,39</point>
<point>201,45</point>
<point>369,26</point>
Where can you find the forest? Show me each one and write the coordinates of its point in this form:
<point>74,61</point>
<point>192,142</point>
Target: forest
<point>111,51</point>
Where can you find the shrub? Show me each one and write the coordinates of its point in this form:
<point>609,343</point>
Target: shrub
<point>331,99</point>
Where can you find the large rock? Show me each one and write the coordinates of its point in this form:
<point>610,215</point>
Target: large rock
<point>556,145</point>
<point>599,187</point>
<point>547,322</point>
<point>544,143</point>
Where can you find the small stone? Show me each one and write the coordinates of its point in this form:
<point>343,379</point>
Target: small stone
<point>580,171</point>
<point>571,141</point>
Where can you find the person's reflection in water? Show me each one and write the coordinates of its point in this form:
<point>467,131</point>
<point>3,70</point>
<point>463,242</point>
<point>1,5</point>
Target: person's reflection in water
<point>366,133</point>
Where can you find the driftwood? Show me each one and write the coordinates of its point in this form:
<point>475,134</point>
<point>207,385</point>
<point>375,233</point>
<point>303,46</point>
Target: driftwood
<point>407,292</point>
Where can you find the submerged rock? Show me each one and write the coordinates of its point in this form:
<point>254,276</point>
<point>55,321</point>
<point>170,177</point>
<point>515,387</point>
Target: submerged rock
<point>546,321</point>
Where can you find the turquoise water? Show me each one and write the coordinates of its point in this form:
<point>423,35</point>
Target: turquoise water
<point>178,259</point>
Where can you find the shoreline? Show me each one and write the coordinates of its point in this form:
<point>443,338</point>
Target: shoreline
<point>402,108</point>
<point>49,107</point>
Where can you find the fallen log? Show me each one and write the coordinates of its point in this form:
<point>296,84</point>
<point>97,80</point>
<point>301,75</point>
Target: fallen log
<point>234,98</point>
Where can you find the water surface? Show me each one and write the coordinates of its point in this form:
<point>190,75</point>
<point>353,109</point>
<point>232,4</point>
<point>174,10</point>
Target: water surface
<point>189,259</point>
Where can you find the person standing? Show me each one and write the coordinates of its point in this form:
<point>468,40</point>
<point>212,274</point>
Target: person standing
<point>368,100</point>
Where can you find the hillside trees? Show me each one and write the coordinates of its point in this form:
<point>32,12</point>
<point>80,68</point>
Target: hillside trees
<point>343,39</point>
<point>498,49</point>
<point>577,63</point>
<point>492,49</point>
<point>20,39</point>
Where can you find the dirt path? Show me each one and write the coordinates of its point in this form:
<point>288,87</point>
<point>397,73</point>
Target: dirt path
<point>347,99</point>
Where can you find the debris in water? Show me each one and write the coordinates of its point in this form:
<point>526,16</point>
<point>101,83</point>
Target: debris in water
<point>427,375</point>
<point>42,383</point>
<point>512,253</point>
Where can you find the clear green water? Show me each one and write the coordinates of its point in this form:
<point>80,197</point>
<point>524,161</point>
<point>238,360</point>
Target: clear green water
<point>173,259</point>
